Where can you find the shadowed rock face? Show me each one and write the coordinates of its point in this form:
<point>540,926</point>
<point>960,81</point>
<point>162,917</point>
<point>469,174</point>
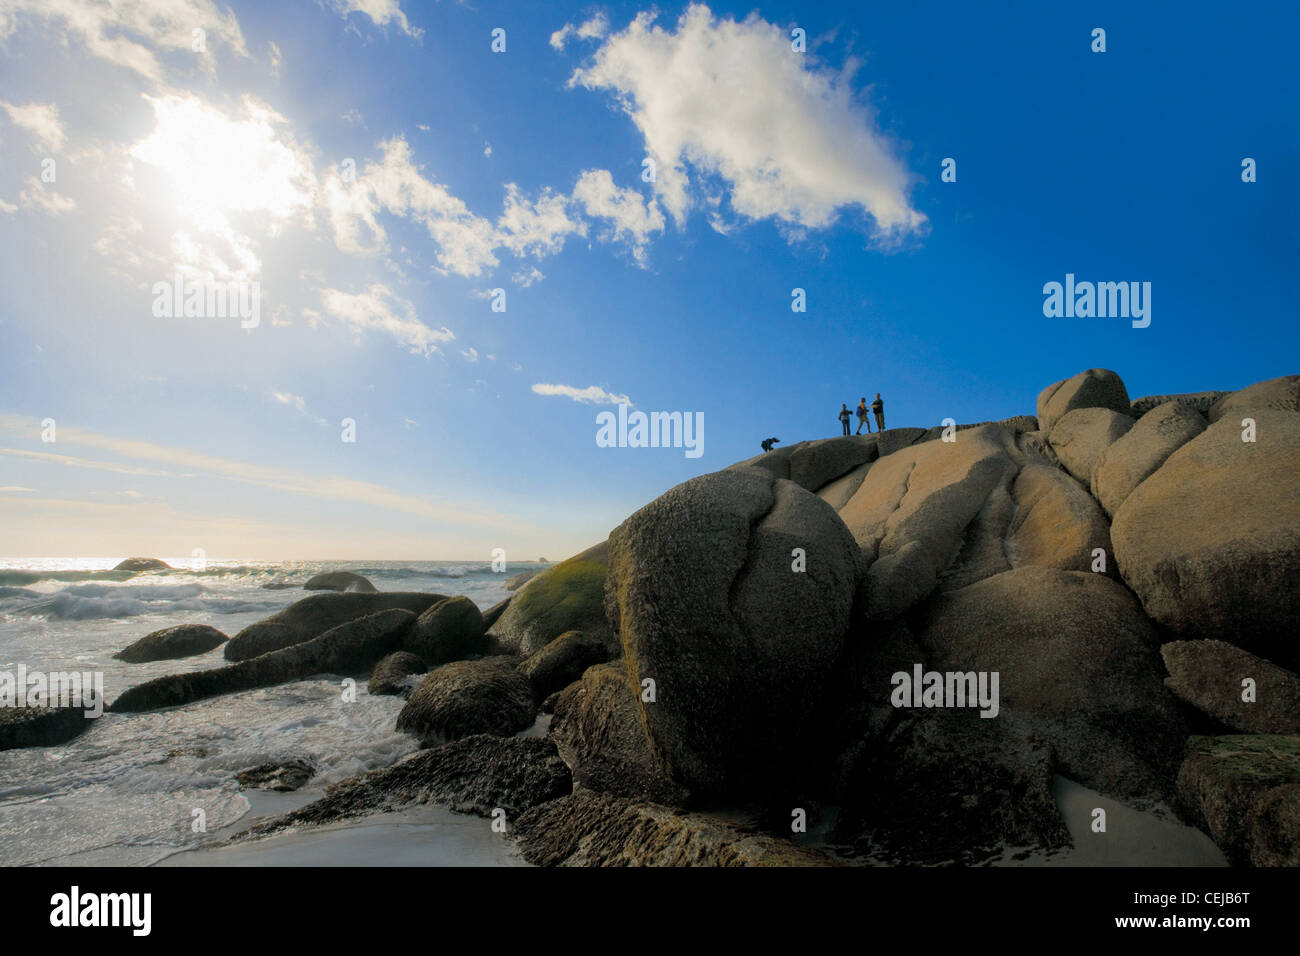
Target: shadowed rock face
<point>1275,394</point>
<point>561,662</point>
<point>390,674</point>
<point>40,726</point>
<point>449,631</point>
<point>566,597</point>
<point>1209,675</point>
<point>1211,541</point>
<point>183,640</point>
<point>277,777</point>
<point>457,700</point>
<point>347,649</point>
<point>313,616</point>
<point>475,775</point>
<point>598,731</point>
<point>712,609</point>
<point>339,581</point>
<point>597,829</point>
<point>1078,667</point>
<point>1244,791</point>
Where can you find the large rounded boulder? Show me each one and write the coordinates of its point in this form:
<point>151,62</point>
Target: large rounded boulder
<point>567,597</point>
<point>1211,541</point>
<point>1094,388</point>
<point>1135,456</point>
<point>1080,437</point>
<point>731,594</point>
<point>172,643</point>
<point>312,616</point>
<point>451,630</point>
<point>486,696</point>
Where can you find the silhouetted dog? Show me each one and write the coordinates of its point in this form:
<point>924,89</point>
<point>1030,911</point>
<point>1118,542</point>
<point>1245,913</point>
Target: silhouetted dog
<point>768,443</point>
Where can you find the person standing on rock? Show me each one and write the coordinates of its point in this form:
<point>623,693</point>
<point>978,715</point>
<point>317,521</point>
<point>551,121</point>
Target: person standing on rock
<point>862,416</point>
<point>879,408</point>
<point>845,416</point>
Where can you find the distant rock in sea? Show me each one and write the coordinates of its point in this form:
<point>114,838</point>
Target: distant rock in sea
<point>339,581</point>
<point>143,564</point>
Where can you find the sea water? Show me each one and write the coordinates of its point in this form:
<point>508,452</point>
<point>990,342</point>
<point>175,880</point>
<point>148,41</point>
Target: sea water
<point>135,789</point>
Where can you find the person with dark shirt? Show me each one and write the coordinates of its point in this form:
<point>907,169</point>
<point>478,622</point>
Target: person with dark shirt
<point>767,443</point>
<point>845,415</point>
<point>862,417</point>
<point>879,408</point>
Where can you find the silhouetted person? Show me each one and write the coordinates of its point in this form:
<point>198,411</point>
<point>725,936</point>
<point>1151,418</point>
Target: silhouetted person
<point>845,417</point>
<point>862,417</point>
<point>879,408</point>
<point>767,443</point>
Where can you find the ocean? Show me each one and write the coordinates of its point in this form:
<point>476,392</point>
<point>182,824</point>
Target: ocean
<point>138,789</point>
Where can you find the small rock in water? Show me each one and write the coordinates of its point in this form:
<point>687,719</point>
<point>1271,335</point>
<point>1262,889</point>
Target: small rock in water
<point>280,778</point>
<point>183,640</point>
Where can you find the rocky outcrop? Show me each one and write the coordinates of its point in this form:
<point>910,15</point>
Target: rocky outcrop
<point>1195,401</point>
<point>339,581</point>
<point>597,728</point>
<point>172,643</point>
<point>909,798</point>
<point>566,597</point>
<point>731,593</point>
<point>277,777</point>
<point>1245,693</point>
<point>1078,667</point>
<point>40,726</point>
<point>451,630</point>
<point>477,774</point>
<point>142,564</point>
<point>1136,455</point>
<point>1094,388</point>
<point>313,616</point>
<point>1244,791</point>
<point>1081,436</point>
<point>1211,541</point>
<point>597,829</point>
<point>1275,394</point>
<point>389,675</point>
<point>486,696</point>
<point>561,662</point>
<point>352,647</point>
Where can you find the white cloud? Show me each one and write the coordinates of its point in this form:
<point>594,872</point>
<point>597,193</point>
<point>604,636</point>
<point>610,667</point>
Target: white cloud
<point>298,403</point>
<point>592,394</point>
<point>380,310</point>
<point>487,148</point>
<point>525,279</point>
<point>631,219</point>
<point>381,12</point>
<point>275,58</point>
<point>42,120</point>
<point>396,185</point>
<point>789,138</point>
<point>41,197</point>
<point>538,227</point>
<point>127,32</point>
<point>593,29</point>
<point>471,354</point>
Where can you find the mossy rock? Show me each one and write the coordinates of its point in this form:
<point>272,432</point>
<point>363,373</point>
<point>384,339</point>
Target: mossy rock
<point>567,597</point>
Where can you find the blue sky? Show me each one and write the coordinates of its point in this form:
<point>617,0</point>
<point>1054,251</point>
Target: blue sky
<point>522,171</point>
